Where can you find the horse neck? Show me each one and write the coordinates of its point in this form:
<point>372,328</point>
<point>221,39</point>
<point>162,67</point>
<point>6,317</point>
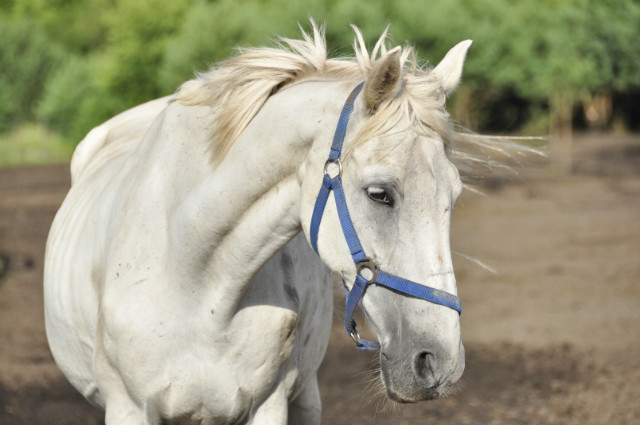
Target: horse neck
<point>248,208</point>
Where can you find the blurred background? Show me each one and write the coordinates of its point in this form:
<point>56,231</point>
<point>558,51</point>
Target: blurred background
<point>551,334</point>
<point>536,66</point>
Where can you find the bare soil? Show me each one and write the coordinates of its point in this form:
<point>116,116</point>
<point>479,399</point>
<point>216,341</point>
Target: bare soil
<point>553,337</point>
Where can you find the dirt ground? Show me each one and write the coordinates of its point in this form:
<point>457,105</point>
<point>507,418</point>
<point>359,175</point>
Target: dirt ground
<point>553,337</point>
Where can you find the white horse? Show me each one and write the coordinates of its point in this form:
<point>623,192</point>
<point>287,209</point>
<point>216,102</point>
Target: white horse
<point>180,285</point>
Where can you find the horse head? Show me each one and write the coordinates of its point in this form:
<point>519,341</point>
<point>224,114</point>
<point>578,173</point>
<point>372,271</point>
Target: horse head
<point>400,188</point>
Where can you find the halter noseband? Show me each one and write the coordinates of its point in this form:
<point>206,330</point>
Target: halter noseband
<point>363,263</point>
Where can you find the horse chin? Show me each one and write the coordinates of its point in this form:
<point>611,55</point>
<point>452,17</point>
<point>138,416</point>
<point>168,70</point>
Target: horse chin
<point>424,394</point>
<point>414,393</point>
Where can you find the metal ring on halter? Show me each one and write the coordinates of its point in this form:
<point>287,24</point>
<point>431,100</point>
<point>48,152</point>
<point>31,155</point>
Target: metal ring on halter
<point>355,336</point>
<point>333,161</point>
<point>367,264</point>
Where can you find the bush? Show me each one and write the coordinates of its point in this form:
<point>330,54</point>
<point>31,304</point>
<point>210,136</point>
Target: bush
<point>73,103</point>
<point>26,59</point>
<point>64,92</point>
<point>529,56</point>
<point>210,32</point>
<point>137,31</point>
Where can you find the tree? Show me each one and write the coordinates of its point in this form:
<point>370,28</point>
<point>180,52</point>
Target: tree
<point>27,58</point>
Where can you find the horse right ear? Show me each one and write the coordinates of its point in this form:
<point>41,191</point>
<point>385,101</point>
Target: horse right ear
<point>383,81</point>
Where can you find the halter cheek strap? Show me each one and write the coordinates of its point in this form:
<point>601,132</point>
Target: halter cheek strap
<point>364,265</point>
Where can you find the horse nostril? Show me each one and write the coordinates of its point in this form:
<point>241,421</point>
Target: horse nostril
<point>425,364</point>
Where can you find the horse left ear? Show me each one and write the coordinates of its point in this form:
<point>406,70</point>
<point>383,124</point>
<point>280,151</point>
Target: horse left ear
<point>449,70</point>
<point>383,81</point>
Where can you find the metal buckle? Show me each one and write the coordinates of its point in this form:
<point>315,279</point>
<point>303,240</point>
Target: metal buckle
<point>333,161</point>
<point>367,264</point>
<point>355,336</point>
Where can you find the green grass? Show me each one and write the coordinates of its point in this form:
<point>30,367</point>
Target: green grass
<point>33,144</point>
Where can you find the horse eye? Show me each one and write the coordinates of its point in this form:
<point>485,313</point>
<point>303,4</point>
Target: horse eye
<point>379,195</point>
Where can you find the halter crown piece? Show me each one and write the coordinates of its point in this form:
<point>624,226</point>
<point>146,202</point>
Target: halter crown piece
<point>363,263</point>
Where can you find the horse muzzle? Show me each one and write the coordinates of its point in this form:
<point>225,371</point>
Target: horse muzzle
<point>425,373</point>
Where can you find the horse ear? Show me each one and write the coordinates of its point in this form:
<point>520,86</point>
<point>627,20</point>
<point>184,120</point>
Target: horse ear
<point>383,81</point>
<point>449,70</point>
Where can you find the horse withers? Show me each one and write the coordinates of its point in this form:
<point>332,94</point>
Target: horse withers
<point>181,283</point>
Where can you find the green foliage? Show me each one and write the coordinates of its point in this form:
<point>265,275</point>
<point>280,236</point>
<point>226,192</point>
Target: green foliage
<point>136,36</point>
<point>64,93</point>
<point>211,31</point>
<point>528,53</point>
<point>82,61</point>
<point>26,59</point>
<point>73,102</point>
<point>78,25</point>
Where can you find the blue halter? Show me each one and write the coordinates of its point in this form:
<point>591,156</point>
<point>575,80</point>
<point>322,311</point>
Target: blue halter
<point>363,263</point>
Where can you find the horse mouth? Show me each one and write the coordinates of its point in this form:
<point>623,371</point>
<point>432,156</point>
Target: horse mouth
<point>421,394</point>
<point>405,389</point>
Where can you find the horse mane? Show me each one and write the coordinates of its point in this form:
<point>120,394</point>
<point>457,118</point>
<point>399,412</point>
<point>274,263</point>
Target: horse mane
<point>238,87</point>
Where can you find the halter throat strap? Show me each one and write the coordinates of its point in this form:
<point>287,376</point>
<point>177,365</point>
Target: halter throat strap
<point>368,272</point>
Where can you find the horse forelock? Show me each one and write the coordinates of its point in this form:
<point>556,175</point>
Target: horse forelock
<point>237,88</point>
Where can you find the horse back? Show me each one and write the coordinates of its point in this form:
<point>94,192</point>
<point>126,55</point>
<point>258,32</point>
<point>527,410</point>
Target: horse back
<point>114,137</point>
